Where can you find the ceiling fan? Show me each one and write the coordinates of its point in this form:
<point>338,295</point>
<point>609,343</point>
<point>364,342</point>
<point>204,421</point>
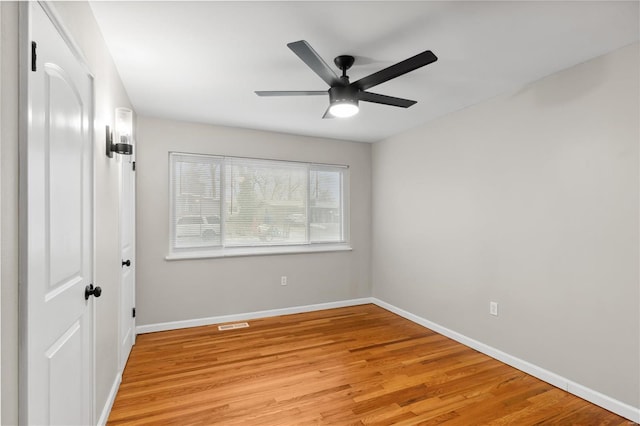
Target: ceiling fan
<point>343,95</point>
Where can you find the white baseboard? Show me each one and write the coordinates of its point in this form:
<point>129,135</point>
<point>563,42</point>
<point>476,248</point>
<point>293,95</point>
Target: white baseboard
<point>595,397</point>
<point>174,325</point>
<point>110,400</point>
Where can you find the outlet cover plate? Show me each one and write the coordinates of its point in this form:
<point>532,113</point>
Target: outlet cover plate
<point>493,308</point>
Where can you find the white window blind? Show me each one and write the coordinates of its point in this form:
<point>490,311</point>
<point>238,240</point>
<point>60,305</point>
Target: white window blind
<point>195,201</point>
<point>325,204</point>
<point>220,203</point>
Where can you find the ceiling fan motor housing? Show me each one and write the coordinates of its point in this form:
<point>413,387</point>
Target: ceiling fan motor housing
<point>339,94</point>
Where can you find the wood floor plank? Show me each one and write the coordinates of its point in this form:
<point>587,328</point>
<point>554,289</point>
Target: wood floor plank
<point>359,365</point>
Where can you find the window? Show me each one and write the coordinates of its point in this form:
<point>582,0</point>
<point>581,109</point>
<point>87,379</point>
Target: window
<point>225,204</point>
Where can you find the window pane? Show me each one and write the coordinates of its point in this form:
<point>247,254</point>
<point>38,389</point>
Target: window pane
<point>219,202</point>
<point>325,205</point>
<point>196,201</point>
<point>265,202</point>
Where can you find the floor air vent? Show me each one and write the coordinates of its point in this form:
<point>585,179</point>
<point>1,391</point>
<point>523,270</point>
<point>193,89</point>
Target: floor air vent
<point>233,326</point>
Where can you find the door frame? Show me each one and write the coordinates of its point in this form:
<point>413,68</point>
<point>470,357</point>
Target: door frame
<point>24,43</point>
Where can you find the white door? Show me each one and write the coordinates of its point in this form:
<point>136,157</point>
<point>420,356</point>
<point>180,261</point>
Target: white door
<point>127,242</point>
<point>57,232</point>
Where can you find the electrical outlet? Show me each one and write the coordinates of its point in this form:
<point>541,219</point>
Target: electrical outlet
<point>283,280</point>
<point>493,308</point>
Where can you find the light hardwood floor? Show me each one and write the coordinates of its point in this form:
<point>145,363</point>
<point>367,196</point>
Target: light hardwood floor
<point>348,366</point>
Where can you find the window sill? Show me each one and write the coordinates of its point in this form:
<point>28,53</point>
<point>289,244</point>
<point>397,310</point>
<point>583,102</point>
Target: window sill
<point>258,251</point>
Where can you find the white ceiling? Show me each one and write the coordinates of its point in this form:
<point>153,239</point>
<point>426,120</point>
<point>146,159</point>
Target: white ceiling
<point>202,61</point>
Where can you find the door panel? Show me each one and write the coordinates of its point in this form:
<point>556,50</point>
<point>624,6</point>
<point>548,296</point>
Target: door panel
<point>63,145</point>
<point>63,356</point>
<point>57,183</point>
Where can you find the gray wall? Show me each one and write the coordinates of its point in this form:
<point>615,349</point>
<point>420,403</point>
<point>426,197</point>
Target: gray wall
<point>530,200</point>
<point>9,217</point>
<point>189,289</point>
<point>109,94</point>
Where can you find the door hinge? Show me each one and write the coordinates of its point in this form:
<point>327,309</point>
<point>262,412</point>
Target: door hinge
<point>34,46</point>
<point>133,312</point>
<point>133,165</point>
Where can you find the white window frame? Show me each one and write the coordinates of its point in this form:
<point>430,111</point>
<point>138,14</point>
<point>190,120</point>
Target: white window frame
<point>178,253</point>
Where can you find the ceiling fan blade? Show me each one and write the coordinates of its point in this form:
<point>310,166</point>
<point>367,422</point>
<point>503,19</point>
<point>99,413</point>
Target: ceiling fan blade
<point>327,114</point>
<point>408,65</point>
<point>385,100</point>
<point>314,61</point>
<point>290,92</point>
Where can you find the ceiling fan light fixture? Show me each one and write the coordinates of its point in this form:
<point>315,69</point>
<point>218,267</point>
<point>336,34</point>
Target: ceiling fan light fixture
<point>343,101</point>
<point>344,108</point>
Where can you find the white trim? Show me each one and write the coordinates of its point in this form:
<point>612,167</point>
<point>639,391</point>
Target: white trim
<point>174,325</point>
<point>259,251</point>
<point>106,410</point>
<point>593,396</point>
<point>50,11</point>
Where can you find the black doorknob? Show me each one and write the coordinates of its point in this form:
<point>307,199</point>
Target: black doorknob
<point>126,262</point>
<point>90,290</point>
